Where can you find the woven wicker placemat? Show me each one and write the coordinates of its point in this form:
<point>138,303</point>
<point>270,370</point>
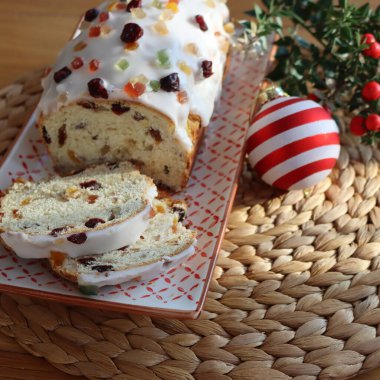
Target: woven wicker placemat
<point>294,294</point>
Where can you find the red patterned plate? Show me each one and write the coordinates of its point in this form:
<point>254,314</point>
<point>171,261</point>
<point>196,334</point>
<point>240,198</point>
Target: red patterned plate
<point>180,292</point>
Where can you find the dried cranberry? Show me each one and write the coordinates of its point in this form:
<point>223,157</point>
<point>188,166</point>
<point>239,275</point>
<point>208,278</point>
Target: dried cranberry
<point>119,109</point>
<point>133,4</point>
<point>77,238</point>
<point>62,74</point>
<point>86,260</point>
<point>102,268</point>
<point>92,223</point>
<point>62,135</point>
<point>46,135</point>
<point>201,22</point>
<point>131,33</point>
<point>138,117</point>
<point>91,14</point>
<point>170,83</point>
<point>207,69</point>
<point>96,88</point>
<point>92,185</point>
<point>56,231</point>
<point>156,135</point>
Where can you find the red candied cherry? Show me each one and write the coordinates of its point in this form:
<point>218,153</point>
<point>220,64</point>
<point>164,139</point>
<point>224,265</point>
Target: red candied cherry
<point>373,51</point>
<point>94,32</point>
<point>371,91</point>
<point>62,74</point>
<point>131,32</point>
<point>104,16</point>
<point>96,88</point>
<point>91,14</point>
<point>133,4</point>
<point>357,126</point>
<point>207,69</point>
<point>201,22</point>
<point>77,63</point>
<point>373,122</point>
<point>170,83</point>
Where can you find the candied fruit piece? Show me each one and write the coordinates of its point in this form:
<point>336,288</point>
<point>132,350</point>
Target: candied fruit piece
<point>172,6</point>
<point>157,4</point>
<point>131,32</point>
<point>140,79</point>
<point>96,88</point>
<point>229,28</point>
<point>119,109</point>
<point>92,223</point>
<point>45,135</point>
<point>92,185</point>
<point>80,46</point>
<point>57,257</point>
<point>105,29</point>
<point>182,97</point>
<point>192,48</point>
<point>167,15</point>
<point>72,192</point>
<point>94,31</point>
<point>207,69</point>
<point>155,85</point>
<point>77,238</point>
<point>201,22</point>
<point>183,66</point>
<point>62,135</point>
<point>89,290</point>
<point>77,63</point>
<point>62,74</point>
<point>211,3</point>
<point>133,4</point>
<point>104,16</point>
<point>170,83</point>
<point>131,46</point>
<point>92,199</point>
<point>135,90</point>
<point>25,201</point>
<point>91,14</point>
<point>163,59</point>
<point>94,65</point>
<point>122,64</point>
<point>138,13</point>
<point>161,28</point>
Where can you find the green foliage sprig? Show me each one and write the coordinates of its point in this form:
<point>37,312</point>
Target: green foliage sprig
<point>329,64</point>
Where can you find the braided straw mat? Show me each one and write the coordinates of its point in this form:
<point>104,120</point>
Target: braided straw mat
<point>294,293</point>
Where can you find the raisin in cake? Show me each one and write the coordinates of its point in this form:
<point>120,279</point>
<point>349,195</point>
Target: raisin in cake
<point>100,209</point>
<point>138,83</point>
<point>163,245</point>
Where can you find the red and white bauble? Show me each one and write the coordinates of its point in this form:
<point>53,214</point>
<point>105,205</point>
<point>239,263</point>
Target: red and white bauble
<point>293,143</point>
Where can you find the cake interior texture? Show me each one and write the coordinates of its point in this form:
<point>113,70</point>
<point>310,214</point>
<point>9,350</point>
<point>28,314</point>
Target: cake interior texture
<point>116,131</point>
<point>104,195</point>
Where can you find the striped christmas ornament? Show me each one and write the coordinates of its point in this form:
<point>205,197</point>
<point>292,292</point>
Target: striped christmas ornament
<point>292,143</point>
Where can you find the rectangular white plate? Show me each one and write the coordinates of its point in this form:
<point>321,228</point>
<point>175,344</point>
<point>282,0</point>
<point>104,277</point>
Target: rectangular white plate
<point>181,292</point>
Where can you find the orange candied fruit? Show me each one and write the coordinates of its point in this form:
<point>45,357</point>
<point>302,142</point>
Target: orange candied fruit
<point>116,5</point>
<point>172,6</point>
<point>131,46</point>
<point>80,46</point>
<point>182,97</point>
<point>94,65</point>
<point>57,257</point>
<point>135,90</point>
<point>94,31</point>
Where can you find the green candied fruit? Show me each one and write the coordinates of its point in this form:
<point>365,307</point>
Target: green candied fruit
<point>163,59</point>
<point>89,290</point>
<point>123,64</point>
<point>155,85</point>
<point>157,4</point>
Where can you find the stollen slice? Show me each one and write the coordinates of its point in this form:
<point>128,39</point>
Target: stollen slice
<point>98,210</point>
<point>164,244</point>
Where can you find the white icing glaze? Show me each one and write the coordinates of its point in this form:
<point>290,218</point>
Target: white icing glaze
<point>144,272</point>
<point>109,49</point>
<point>98,241</point>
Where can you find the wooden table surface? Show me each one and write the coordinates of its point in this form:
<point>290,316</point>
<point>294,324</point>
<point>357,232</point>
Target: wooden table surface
<point>32,33</point>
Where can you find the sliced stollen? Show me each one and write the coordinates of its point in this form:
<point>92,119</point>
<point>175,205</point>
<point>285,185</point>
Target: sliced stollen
<point>98,210</point>
<point>163,245</point>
